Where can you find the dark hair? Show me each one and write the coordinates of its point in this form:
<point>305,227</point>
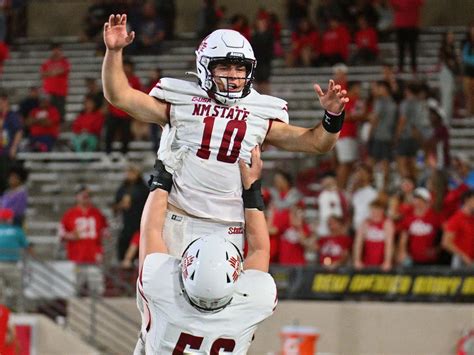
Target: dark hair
<point>414,88</point>
<point>128,61</point>
<point>81,188</point>
<point>55,45</point>
<point>91,97</point>
<point>353,83</point>
<point>378,204</point>
<point>285,175</point>
<point>385,84</point>
<point>340,219</point>
<point>467,195</point>
<point>19,171</point>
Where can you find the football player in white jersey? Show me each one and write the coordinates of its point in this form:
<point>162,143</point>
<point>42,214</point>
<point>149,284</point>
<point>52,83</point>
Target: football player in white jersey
<point>213,123</point>
<point>210,301</point>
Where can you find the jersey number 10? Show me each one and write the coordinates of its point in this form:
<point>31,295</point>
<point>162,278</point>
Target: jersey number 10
<point>195,342</point>
<point>234,128</point>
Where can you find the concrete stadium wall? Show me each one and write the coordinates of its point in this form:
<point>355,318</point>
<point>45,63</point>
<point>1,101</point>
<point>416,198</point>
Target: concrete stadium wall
<point>61,18</point>
<point>362,327</point>
<point>50,339</point>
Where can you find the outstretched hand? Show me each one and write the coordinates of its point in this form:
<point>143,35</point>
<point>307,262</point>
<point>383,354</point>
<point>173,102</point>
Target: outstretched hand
<point>334,99</point>
<point>251,173</point>
<point>115,33</point>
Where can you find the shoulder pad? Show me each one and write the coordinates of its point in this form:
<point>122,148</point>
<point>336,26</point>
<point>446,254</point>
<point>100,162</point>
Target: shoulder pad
<point>267,107</point>
<point>176,91</point>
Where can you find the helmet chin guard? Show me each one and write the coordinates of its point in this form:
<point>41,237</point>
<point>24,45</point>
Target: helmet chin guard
<point>224,46</point>
<point>210,268</point>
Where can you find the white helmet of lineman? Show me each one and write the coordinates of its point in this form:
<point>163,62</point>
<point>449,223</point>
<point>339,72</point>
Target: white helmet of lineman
<point>210,268</point>
<point>224,46</point>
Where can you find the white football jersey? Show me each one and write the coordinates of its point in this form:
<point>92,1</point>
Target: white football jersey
<point>207,183</point>
<point>176,327</point>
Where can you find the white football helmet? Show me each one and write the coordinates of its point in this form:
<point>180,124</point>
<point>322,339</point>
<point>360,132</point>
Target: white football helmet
<point>210,268</point>
<point>224,46</point>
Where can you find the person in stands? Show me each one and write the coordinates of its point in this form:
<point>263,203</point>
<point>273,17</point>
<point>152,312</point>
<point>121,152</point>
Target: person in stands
<point>373,245</point>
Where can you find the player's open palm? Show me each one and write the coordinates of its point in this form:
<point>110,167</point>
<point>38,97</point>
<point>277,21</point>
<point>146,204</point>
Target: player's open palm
<point>334,99</point>
<point>115,33</point>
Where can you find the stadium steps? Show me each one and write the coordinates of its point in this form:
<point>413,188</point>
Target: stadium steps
<point>54,176</point>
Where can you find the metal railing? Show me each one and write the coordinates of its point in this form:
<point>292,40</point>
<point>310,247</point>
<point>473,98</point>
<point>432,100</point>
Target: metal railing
<point>53,288</point>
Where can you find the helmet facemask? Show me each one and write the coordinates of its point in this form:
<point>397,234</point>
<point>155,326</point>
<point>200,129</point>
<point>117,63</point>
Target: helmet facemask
<point>227,95</point>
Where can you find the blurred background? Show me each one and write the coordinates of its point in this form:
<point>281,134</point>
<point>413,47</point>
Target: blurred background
<point>372,244</point>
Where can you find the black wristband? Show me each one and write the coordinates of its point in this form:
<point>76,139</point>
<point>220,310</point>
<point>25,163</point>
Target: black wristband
<point>253,196</point>
<point>160,179</point>
<point>333,123</point>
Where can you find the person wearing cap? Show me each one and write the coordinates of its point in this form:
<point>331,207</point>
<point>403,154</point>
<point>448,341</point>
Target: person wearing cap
<point>55,74</point>
<point>82,229</point>
<point>419,229</point>
<point>16,196</point>
<point>458,233</point>
<point>43,123</point>
<point>10,137</point>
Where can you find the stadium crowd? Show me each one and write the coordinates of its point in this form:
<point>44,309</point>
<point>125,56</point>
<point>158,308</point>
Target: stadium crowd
<point>391,195</point>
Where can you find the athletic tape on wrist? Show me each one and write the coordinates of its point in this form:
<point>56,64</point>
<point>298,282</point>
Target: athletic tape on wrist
<point>253,196</point>
<point>333,123</point>
<point>160,179</point>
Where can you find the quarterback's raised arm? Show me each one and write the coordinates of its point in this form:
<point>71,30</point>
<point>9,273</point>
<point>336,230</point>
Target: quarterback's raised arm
<point>319,139</point>
<point>258,256</point>
<point>115,84</point>
<point>154,212</point>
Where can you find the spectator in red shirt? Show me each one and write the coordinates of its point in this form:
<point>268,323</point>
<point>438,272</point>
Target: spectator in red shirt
<point>406,23</point>
<point>401,203</point>
<point>55,74</point>
<point>420,228</point>
<point>118,120</point>
<point>240,23</point>
<point>366,41</point>
<point>283,196</point>
<point>43,123</point>
<point>458,236</point>
<point>347,146</point>
<point>373,246</point>
<point>8,341</point>
<point>334,249</point>
<point>305,45</point>
<point>87,127</point>
<point>335,44</point>
<point>4,54</point>
<point>82,228</point>
<point>292,239</point>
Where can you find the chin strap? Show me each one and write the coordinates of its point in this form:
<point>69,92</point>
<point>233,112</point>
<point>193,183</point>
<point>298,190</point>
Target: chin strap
<point>191,73</point>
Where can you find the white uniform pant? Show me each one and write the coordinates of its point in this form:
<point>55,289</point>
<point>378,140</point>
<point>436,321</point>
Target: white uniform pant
<point>179,231</point>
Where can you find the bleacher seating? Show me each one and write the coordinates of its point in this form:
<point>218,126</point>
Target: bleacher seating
<point>53,176</point>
